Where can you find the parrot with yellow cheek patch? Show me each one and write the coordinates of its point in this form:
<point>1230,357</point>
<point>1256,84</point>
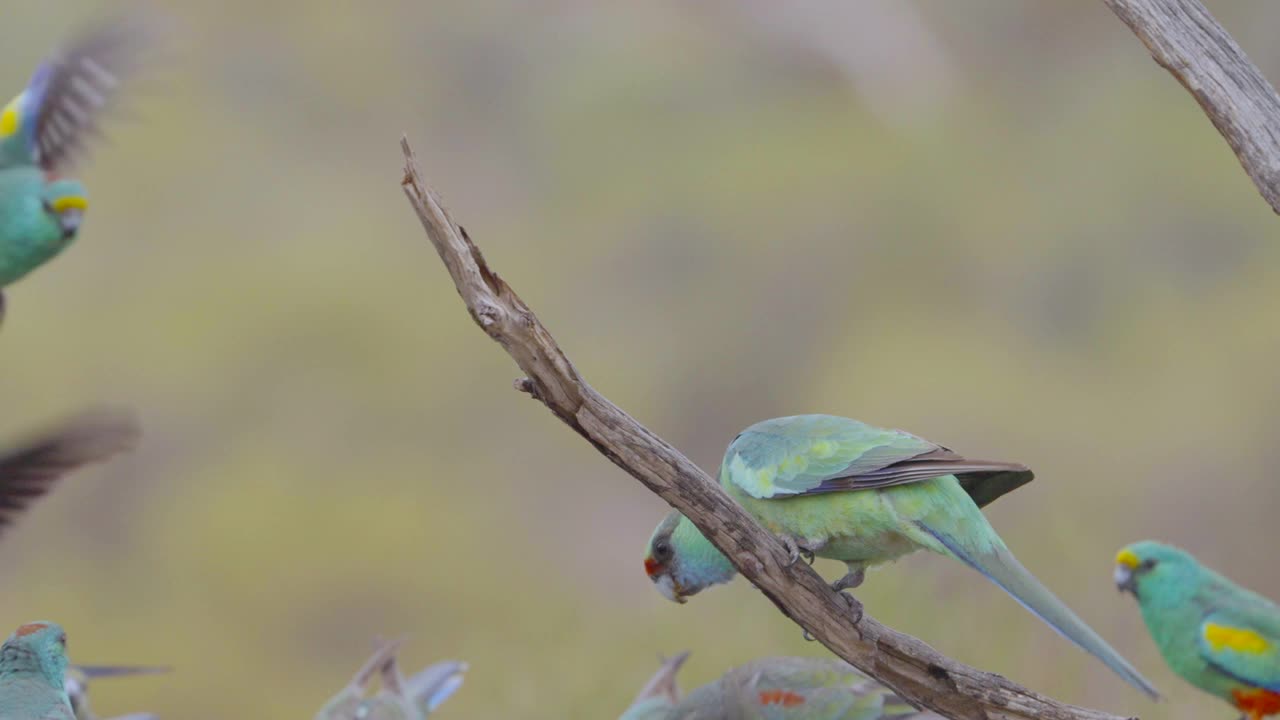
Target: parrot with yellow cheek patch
<point>845,490</point>
<point>1213,633</point>
<point>45,129</point>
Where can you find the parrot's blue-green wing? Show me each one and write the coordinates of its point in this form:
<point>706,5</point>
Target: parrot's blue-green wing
<point>50,123</point>
<point>1241,649</point>
<point>808,454</point>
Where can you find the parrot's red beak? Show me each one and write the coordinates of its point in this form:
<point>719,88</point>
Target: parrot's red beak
<point>652,567</point>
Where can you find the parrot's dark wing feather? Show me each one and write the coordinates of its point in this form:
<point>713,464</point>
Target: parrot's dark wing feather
<point>70,92</point>
<point>984,486</point>
<point>30,470</point>
<point>984,480</point>
<point>807,454</point>
<point>106,671</point>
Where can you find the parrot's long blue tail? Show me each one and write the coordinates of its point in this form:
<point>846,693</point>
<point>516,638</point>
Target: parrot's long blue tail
<point>1003,569</point>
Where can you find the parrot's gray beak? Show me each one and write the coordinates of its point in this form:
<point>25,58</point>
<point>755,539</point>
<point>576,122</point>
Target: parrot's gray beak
<point>1125,581</point>
<point>69,221</point>
<point>669,589</point>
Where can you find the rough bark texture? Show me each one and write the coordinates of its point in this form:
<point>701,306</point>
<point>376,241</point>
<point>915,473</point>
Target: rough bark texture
<point>1186,40</point>
<point>915,670</point>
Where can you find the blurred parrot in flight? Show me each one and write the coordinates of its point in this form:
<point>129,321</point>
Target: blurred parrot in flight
<point>398,698</point>
<point>30,469</point>
<point>33,665</point>
<point>780,688</point>
<point>1213,633</point>
<point>847,491</point>
<point>77,686</point>
<point>46,129</point>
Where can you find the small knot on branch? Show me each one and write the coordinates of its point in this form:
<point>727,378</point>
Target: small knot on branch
<point>528,386</point>
<point>488,314</point>
<point>751,562</point>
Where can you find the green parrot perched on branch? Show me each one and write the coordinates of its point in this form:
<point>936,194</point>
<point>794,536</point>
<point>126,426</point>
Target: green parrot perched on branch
<point>1213,633</point>
<point>845,490</point>
<point>398,698</point>
<point>45,129</point>
<point>780,688</point>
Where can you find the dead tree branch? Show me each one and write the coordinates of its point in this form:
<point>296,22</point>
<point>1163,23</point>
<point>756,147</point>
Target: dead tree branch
<point>915,670</point>
<point>1188,42</point>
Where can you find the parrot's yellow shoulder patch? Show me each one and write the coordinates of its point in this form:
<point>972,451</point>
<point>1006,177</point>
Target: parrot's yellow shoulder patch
<point>1225,637</point>
<point>11,117</point>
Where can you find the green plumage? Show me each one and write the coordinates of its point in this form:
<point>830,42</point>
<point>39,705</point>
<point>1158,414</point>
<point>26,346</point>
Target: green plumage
<point>864,496</point>
<point>1213,633</point>
<point>46,128</point>
<point>33,663</point>
<point>31,231</point>
<point>781,688</point>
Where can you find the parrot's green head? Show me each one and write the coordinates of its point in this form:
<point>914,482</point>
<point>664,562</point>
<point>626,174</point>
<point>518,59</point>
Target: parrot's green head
<point>39,648</point>
<point>681,562</point>
<point>1149,569</point>
<point>40,216</point>
<point>657,699</point>
<point>65,202</point>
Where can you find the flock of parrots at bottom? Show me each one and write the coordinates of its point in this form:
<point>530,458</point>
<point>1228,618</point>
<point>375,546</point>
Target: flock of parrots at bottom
<point>827,486</point>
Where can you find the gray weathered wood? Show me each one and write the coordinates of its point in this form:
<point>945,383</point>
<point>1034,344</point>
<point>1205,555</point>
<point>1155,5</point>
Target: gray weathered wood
<point>1188,42</point>
<point>915,670</point>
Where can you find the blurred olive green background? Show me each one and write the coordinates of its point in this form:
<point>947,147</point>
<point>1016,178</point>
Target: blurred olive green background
<point>999,225</point>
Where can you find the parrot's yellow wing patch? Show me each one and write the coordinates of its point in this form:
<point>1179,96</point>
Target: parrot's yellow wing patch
<point>1245,650</point>
<point>1224,637</point>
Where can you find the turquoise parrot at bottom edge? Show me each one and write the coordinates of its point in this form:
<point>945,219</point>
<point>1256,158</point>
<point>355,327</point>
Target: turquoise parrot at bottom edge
<point>398,699</point>
<point>1214,634</point>
<point>779,688</point>
<point>33,666</point>
<point>845,490</point>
